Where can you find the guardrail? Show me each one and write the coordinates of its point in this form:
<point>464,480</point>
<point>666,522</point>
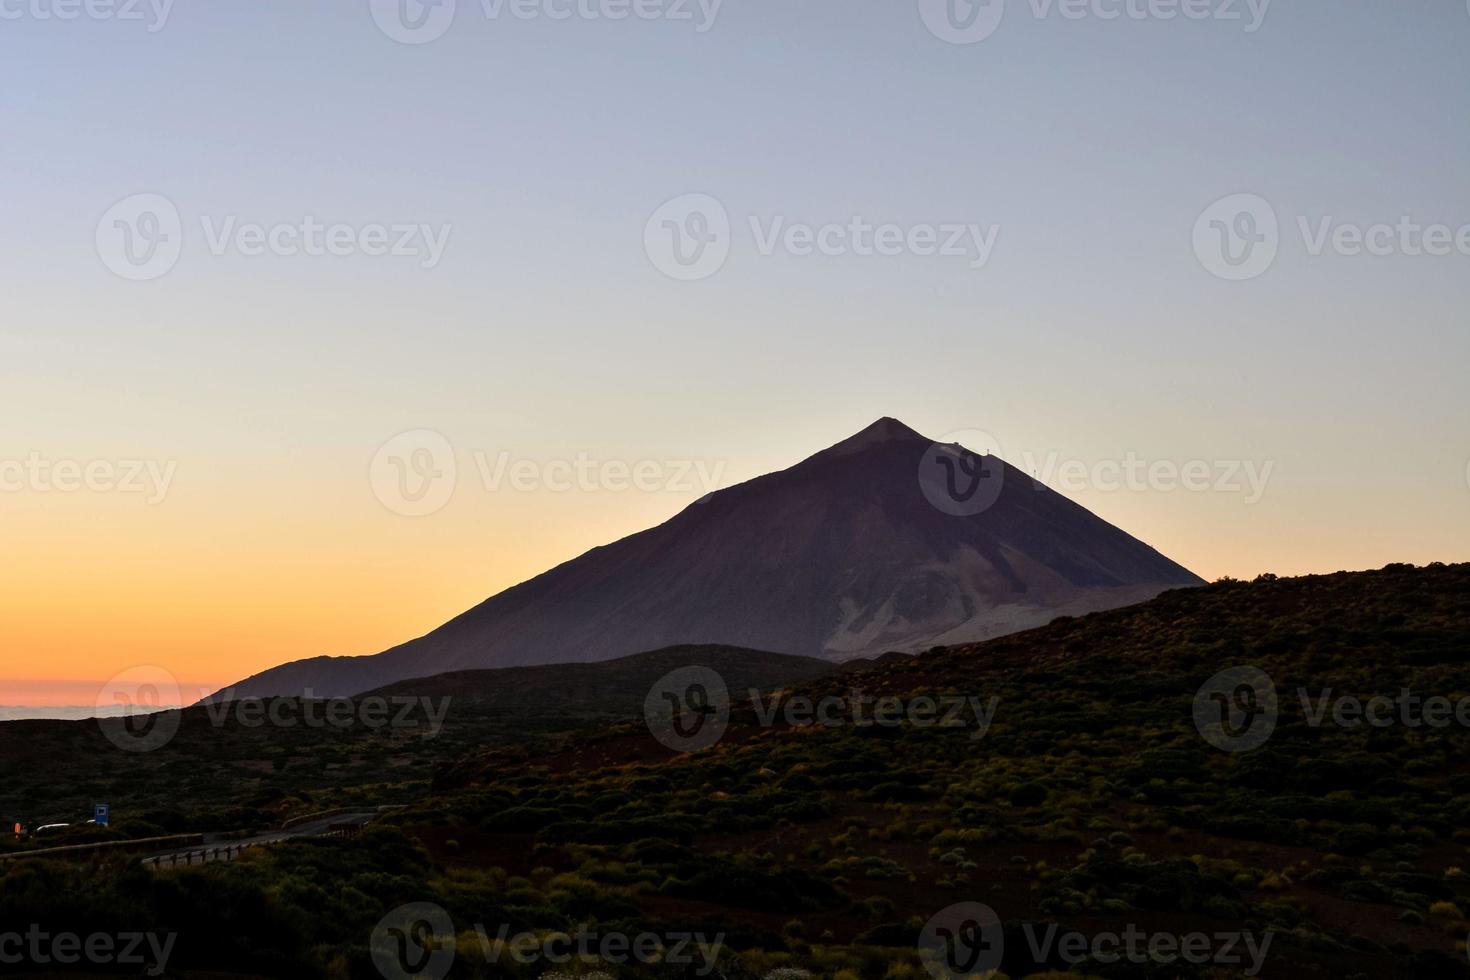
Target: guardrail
<point>205,855</point>
<point>104,847</point>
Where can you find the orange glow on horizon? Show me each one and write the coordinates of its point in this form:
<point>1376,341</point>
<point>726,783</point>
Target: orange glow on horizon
<point>227,579</point>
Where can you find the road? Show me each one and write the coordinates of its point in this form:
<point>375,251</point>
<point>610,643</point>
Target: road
<point>218,847</point>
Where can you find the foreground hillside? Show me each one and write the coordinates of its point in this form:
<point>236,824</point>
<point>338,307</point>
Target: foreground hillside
<point>1084,794</point>
<point>248,766</point>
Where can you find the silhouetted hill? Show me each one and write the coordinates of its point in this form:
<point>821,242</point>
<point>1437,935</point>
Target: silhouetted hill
<point>609,689</point>
<point>844,555</point>
<point>1091,797</point>
<point>244,764</point>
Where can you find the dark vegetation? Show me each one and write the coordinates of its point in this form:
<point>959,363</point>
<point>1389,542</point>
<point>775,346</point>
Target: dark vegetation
<point>1092,801</point>
<point>221,774</point>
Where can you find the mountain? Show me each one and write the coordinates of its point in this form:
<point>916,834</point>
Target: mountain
<point>885,541</point>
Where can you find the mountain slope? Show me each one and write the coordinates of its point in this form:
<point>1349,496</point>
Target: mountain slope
<point>1097,796</point>
<point>605,689</point>
<point>843,555</point>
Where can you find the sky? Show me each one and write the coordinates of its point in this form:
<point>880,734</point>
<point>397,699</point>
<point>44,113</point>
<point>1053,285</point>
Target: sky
<point>1114,241</point>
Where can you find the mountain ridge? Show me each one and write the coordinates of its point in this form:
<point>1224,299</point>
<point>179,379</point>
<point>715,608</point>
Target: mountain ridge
<point>849,553</point>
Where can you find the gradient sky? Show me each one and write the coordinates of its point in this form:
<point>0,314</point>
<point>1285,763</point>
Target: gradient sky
<point>1093,333</point>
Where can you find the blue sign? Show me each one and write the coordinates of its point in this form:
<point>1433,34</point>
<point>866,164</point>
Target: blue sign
<point>102,812</point>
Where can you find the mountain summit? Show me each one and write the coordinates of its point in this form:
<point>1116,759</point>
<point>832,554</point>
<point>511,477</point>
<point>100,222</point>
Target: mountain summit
<point>883,430</point>
<point>885,541</point>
